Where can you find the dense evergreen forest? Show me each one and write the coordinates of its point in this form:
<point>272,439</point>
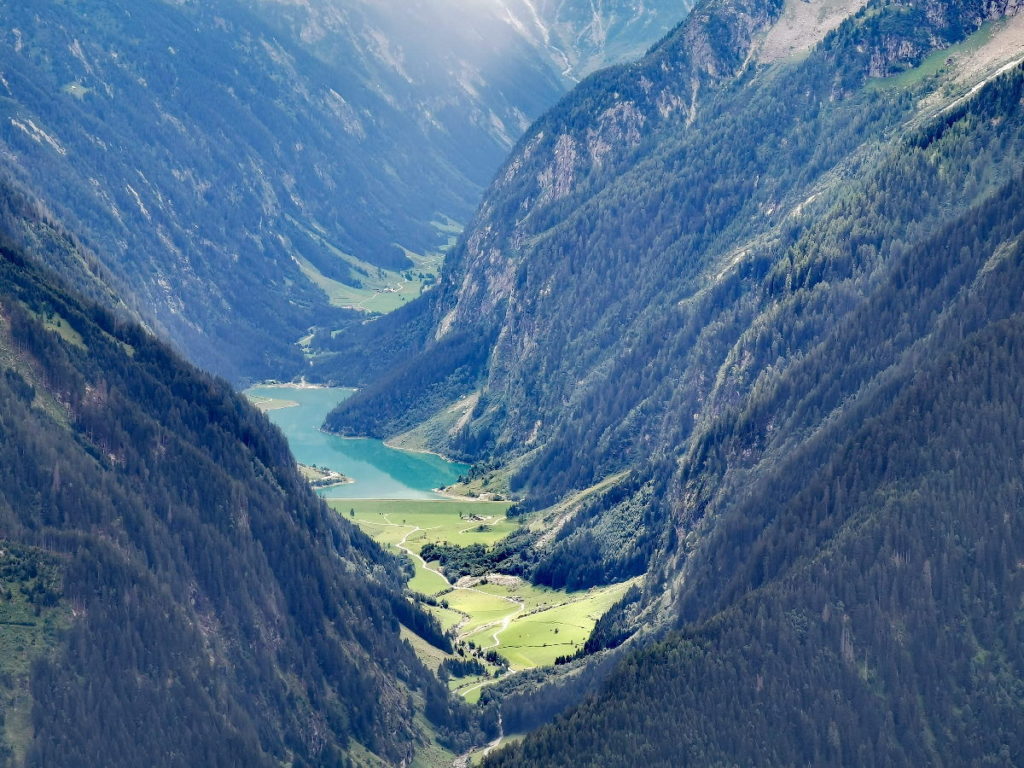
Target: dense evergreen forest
<point>172,591</point>
<point>858,601</point>
<point>639,299</point>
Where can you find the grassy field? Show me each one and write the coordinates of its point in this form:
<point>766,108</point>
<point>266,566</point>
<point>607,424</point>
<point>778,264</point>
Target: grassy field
<point>414,523</point>
<point>529,626</point>
<point>936,61</point>
<point>449,619</point>
<point>382,290</point>
<point>63,328</point>
<point>482,610</point>
<point>538,637</point>
<point>432,754</point>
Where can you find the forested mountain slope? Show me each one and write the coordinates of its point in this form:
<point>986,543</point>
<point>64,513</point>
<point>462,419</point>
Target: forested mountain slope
<point>855,596</point>
<point>636,192</point>
<point>893,639</point>
<point>234,160</point>
<point>743,315</point>
<point>171,591</point>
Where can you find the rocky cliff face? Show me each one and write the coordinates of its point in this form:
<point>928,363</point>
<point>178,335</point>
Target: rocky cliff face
<point>581,36</point>
<point>594,132</point>
<point>489,62</point>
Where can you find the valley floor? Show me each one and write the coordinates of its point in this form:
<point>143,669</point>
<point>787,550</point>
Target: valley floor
<point>527,625</point>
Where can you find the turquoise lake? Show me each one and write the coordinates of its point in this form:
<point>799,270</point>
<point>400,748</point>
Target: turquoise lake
<point>379,472</point>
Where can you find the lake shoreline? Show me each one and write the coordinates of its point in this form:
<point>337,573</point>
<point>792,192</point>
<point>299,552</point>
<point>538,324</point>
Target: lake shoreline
<point>266,405</point>
<point>297,385</point>
<point>380,468</point>
<point>346,481</point>
<point>391,444</point>
<point>449,496</point>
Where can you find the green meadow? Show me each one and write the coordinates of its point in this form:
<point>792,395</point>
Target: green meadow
<point>527,625</point>
<point>381,290</point>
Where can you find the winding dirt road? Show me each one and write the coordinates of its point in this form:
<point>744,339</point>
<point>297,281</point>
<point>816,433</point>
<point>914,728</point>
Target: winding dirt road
<point>502,623</point>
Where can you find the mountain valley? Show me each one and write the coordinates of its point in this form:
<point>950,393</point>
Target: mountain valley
<point>213,153</point>
<point>699,280</point>
<point>718,346</point>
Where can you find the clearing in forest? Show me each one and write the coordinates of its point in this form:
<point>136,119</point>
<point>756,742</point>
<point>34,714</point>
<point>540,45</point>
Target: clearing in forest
<point>528,626</point>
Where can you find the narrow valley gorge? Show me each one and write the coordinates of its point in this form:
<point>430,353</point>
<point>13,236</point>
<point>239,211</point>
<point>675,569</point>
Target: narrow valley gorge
<point>512,383</point>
